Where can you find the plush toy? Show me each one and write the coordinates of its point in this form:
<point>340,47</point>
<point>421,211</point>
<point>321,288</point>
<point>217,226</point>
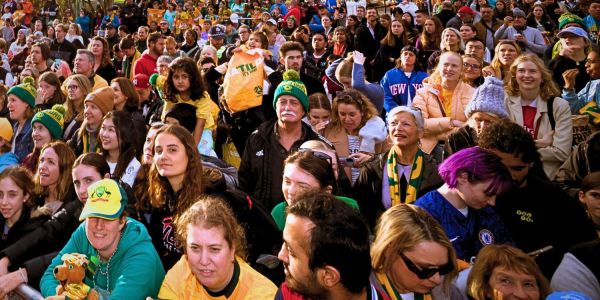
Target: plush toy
<point>71,275</point>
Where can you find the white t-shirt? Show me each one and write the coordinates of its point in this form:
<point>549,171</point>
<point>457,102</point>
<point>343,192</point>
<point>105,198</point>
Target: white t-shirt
<point>353,147</point>
<point>130,172</point>
<point>351,6</point>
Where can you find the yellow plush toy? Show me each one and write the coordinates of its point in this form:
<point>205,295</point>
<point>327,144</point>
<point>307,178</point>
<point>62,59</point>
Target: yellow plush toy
<point>71,275</point>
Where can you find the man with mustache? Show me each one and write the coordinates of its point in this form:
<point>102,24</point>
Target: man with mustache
<point>325,252</point>
<point>261,169</point>
<point>536,213</point>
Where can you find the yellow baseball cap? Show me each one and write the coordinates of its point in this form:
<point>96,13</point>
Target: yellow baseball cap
<point>106,199</point>
<point>6,130</point>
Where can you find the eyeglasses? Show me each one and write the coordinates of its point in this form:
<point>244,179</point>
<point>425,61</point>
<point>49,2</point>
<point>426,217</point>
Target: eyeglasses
<point>472,66</point>
<point>72,87</point>
<point>424,273</point>
<point>591,61</point>
<point>317,154</point>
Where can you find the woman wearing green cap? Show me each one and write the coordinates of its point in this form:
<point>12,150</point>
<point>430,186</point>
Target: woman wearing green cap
<point>123,263</point>
<point>21,102</point>
<point>47,127</point>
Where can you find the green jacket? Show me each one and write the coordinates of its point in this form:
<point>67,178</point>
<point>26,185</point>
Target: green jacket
<point>135,270</point>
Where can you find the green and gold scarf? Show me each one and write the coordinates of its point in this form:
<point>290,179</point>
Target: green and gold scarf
<point>416,176</point>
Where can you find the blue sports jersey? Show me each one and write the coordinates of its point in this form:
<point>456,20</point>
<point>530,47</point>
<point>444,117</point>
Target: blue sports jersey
<point>468,234</point>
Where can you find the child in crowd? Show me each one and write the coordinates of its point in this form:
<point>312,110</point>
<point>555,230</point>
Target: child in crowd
<point>184,84</point>
<point>319,111</point>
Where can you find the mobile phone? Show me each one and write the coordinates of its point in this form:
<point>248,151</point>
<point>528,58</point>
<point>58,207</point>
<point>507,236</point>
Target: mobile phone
<point>346,161</point>
<point>57,63</point>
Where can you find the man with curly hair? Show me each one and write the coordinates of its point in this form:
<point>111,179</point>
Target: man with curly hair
<point>537,213</point>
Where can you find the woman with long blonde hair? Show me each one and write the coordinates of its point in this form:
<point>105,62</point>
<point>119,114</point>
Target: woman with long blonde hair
<point>533,102</point>
<point>451,41</point>
<point>505,53</point>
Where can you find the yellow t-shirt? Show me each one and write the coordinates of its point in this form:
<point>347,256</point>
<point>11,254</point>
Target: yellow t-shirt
<point>180,283</point>
<point>205,109</point>
<point>447,96</point>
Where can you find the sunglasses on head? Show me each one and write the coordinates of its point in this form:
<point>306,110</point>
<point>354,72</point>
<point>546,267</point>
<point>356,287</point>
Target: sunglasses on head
<point>424,273</point>
<point>317,154</point>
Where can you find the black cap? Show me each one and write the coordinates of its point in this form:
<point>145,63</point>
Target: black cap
<point>409,49</point>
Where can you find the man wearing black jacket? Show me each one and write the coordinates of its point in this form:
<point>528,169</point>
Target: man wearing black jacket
<point>261,168</point>
<point>60,48</point>
<point>367,39</point>
<point>130,15</point>
<point>291,57</point>
<point>537,213</point>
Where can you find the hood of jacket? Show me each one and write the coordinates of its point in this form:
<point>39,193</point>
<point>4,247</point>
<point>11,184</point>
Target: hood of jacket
<point>134,234</point>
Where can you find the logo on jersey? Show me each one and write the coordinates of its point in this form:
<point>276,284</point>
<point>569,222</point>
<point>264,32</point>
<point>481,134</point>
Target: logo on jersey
<point>486,237</point>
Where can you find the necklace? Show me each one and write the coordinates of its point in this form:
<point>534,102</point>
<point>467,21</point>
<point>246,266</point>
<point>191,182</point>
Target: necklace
<point>106,271</point>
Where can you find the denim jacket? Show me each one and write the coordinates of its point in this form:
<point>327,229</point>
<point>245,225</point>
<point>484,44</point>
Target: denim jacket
<point>22,143</point>
<point>589,93</point>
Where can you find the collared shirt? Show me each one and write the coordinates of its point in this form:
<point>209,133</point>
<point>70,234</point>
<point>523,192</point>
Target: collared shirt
<point>277,147</point>
<point>371,30</point>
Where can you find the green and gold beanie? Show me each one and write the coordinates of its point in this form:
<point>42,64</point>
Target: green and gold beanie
<point>567,18</point>
<point>26,91</point>
<point>293,86</point>
<point>53,119</point>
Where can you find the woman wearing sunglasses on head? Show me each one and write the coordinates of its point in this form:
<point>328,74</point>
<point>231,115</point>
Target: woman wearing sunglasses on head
<point>306,170</point>
<point>343,182</point>
<point>400,175</point>
<point>411,256</point>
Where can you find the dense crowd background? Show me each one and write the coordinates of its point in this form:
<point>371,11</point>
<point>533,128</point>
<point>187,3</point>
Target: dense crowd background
<point>302,149</point>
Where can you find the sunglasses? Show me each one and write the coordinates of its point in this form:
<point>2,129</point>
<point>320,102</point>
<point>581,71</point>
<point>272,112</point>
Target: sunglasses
<point>425,273</point>
<point>317,154</point>
<point>472,66</point>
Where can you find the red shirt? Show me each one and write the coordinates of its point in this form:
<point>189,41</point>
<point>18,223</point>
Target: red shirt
<point>529,118</point>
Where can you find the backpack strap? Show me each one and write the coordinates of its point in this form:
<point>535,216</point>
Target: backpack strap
<point>551,113</point>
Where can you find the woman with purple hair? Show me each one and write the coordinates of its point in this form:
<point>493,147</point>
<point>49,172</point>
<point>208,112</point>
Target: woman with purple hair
<point>472,179</point>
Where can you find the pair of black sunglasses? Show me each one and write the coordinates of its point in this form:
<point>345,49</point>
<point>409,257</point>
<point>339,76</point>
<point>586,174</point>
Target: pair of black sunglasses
<point>424,273</point>
<point>317,154</point>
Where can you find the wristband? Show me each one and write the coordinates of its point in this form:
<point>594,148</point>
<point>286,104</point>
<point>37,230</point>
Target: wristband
<point>23,275</point>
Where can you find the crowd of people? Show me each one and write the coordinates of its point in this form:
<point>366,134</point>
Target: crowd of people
<point>302,149</point>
